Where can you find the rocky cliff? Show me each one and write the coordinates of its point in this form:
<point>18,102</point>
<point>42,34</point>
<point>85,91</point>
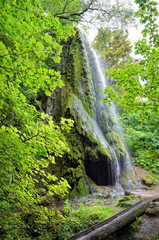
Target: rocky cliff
<point>97,155</point>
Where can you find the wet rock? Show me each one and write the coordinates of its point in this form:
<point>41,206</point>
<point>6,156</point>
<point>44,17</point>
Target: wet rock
<point>154,204</point>
<point>155,200</point>
<point>127,193</point>
<point>152,211</point>
<point>144,188</point>
<point>100,195</point>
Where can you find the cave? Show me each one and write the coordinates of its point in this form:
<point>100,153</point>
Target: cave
<point>101,172</point>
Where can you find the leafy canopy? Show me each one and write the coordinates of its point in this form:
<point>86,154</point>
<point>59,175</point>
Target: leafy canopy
<point>143,138</point>
<point>29,140</point>
<point>114,47</point>
<point>140,80</point>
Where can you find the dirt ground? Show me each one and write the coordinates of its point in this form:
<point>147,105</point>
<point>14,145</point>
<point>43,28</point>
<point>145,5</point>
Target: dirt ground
<point>145,192</point>
<point>149,228</point>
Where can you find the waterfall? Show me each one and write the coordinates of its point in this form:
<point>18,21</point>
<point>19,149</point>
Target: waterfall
<point>118,164</point>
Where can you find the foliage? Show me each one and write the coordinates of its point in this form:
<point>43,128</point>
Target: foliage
<point>35,223</point>
<point>137,91</point>
<point>25,161</point>
<point>140,80</point>
<point>12,227</point>
<point>91,10</point>
<point>142,137</point>
<point>113,46</point>
<point>42,223</point>
<point>75,221</point>
<point>67,11</point>
<point>30,142</point>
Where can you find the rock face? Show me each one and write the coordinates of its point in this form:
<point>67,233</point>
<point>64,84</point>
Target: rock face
<point>96,151</point>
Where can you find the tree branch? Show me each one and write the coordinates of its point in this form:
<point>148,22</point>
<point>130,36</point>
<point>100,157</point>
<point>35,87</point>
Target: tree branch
<point>74,14</point>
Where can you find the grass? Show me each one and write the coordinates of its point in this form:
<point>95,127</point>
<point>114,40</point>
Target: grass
<point>79,219</point>
<point>101,212</point>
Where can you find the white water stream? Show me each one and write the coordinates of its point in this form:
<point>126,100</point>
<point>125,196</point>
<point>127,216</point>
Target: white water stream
<point>115,165</point>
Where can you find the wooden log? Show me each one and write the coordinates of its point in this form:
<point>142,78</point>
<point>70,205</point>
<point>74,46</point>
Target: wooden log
<point>105,228</point>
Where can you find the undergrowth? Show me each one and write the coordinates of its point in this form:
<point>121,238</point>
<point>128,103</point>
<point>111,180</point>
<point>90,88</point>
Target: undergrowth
<point>49,224</point>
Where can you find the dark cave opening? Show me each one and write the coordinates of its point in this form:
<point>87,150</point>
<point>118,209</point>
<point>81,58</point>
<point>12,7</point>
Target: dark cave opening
<point>101,172</point>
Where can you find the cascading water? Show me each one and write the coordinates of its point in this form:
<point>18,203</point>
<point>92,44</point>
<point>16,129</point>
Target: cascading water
<point>113,169</point>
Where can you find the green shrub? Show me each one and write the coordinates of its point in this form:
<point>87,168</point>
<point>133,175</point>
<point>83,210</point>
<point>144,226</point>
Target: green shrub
<point>6,206</point>
<point>51,224</point>
<point>74,221</point>
<point>12,227</point>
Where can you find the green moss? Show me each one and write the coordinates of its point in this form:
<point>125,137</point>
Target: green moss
<point>89,134</point>
<point>112,137</point>
<point>74,192</point>
<point>77,74</point>
<point>126,176</point>
<point>101,149</point>
<point>105,127</point>
<point>119,146</point>
<point>82,188</point>
<point>93,185</point>
<point>148,180</point>
<point>67,97</point>
<point>78,102</point>
<point>126,201</point>
<point>91,151</point>
<point>111,118</point>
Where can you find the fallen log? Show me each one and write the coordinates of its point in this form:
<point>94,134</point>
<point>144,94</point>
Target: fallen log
<point>105,228</point>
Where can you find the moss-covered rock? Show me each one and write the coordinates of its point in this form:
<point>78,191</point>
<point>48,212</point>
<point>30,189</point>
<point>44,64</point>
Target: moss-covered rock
<point>92,137</point>
<point>126,201</point>
<point>153,209</point>
<point>148,180</point>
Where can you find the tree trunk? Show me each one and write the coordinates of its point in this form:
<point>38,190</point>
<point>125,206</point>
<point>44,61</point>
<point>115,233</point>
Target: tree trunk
<point>107,227</point>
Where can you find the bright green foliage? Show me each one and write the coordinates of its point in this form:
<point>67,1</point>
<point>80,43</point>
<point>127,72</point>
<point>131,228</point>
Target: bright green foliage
<point>64,9</point>
<point>74,221</point>
<point>25,156</point>
<point>43,223</point>
<point>29,140</point>
<point>33,224</point>
<point>143,138</point>
<point>114,47</point>
<point>140,91</point>
<point>140,80</point>
<point>131,87</point>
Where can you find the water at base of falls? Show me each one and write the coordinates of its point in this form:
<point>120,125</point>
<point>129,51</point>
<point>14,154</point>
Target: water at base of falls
<point>104,173</point>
